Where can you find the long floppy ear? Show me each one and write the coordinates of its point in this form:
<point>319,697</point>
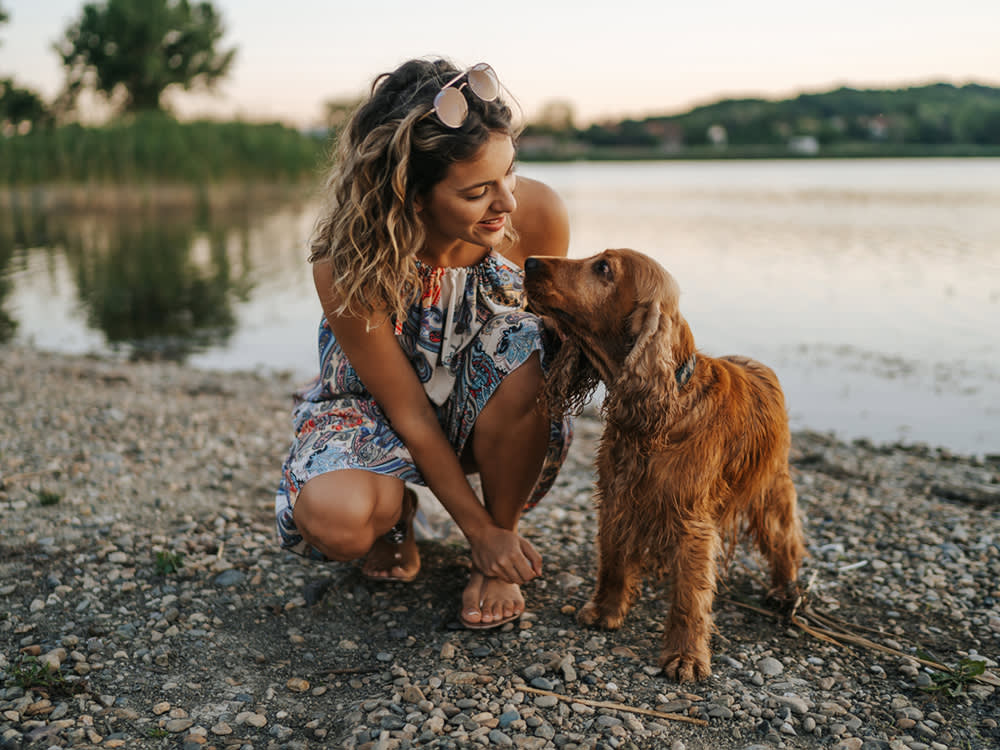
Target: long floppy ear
<point>644,397</point>
<point>645,323</point>
<point>570,381</point>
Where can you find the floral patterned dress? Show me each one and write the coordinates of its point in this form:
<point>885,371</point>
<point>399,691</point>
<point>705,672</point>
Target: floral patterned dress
<point>465,334</point>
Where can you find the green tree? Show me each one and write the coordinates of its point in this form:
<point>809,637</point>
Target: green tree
<point>19,105</point>
<point>138,48</point>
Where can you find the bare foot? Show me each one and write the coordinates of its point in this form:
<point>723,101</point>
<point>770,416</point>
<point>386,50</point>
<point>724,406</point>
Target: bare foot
<point>490,602</point>
<point>388,561</point>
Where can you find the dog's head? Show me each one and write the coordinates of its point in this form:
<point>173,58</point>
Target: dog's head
<point>617,315</point>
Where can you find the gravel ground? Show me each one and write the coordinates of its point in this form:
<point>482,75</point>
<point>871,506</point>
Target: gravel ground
<point>144,604</point>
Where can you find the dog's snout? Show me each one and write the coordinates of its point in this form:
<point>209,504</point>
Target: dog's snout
<point>532,264</point>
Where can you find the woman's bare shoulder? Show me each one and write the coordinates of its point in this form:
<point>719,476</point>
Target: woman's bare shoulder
<point>541,221</point>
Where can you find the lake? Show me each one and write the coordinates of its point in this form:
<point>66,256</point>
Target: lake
<point>872,287</point>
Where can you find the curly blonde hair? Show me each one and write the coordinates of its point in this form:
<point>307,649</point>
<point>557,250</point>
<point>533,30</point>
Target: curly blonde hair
<point>389,153</point>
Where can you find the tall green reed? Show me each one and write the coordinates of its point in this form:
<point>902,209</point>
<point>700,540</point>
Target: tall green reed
<point>157,148</point>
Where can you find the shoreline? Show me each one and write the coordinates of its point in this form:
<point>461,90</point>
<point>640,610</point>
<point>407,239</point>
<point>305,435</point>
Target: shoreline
<point>151,195</point>
<point>109,470</point>
<point>923,448</point>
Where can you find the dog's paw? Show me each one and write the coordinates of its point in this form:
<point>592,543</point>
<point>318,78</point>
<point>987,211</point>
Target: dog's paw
<point>787,598</point>
<point>685,667</point>
<point>591,615</point>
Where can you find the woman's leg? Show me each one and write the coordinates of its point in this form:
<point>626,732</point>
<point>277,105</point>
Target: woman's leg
<point>508,447</point>
<point>345,515</point>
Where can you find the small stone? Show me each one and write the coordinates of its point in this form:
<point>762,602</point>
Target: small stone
<point>434,725</point>
<point>507,718</point>
<point>230,577</point>
<point>794,702</point>
<point>413,694</point>
<point>297,685</point>
<point>500,739</point>
<point>251,718</point>
<point>568,581</point>
<point>770,666</point>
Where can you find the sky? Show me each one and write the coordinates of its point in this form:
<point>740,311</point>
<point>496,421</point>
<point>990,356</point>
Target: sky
<point>609,60</point>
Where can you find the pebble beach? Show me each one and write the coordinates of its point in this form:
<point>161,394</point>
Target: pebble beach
<point>144,602</point>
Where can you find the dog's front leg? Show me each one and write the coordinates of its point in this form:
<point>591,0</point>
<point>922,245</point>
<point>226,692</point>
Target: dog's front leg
<point>686,655</point>
<point>618,581</point>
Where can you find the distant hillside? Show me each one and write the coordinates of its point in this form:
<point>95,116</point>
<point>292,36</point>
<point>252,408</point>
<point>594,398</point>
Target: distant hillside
<point>921,120</point>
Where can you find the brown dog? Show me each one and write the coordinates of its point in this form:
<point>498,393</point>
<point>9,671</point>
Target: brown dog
<point>694,452</point>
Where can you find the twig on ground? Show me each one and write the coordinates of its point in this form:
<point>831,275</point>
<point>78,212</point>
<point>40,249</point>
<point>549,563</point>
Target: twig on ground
<point>837,632</point>
<point>353,670</point>
<point>615,706</point>
<point>4,479</point>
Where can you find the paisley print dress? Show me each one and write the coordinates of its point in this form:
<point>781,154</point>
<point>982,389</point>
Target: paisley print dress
<point>465,334</point>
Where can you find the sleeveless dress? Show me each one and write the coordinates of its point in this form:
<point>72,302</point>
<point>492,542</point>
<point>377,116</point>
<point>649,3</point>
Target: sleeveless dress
<point>467,332</point>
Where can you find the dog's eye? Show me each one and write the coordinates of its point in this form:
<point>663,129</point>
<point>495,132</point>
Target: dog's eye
<point>602,268</point>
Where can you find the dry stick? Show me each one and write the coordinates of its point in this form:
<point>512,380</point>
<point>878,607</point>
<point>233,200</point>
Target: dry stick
<point>616,706</point>
<point>26,475</point>
<point>831,636</point>
<point>352,670</point>
<point>986,678</point>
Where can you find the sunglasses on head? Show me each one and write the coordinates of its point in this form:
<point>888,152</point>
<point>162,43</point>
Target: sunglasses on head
<point>450,105</point>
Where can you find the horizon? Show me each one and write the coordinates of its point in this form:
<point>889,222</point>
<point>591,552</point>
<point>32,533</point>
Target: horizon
<point>670,61</point>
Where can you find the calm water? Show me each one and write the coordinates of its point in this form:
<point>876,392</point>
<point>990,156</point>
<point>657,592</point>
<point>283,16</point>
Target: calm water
<point>871,287</point>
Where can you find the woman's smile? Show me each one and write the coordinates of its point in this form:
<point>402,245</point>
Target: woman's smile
<point>495,224</point>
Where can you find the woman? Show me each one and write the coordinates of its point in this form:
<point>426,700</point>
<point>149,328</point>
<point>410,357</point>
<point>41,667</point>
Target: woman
<point>430,366</point>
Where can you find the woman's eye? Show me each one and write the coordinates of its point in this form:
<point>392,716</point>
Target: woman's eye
<point>477,196</point>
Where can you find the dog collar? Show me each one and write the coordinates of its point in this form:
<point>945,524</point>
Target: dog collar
<point>683,373</point>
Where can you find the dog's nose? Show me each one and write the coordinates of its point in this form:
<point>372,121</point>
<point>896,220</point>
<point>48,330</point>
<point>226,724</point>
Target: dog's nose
<point>531,264</point>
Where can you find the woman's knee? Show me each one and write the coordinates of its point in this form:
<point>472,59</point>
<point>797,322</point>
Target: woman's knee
<point>339,526</point>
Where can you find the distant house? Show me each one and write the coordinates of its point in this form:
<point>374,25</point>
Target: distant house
<point>547,146</point>
<point>803,145</point>
<point>717,135</point>
<point>670,135</point>
<point>878,127</point>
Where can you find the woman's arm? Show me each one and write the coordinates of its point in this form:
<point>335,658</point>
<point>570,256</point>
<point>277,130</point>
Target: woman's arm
<point>389,377</point>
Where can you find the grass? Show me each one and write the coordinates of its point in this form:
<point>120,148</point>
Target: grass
<point>167,562</point>
<point>955,682</point>
<point>29,672</point>
<point>47,498</point>
<point>154,147</point>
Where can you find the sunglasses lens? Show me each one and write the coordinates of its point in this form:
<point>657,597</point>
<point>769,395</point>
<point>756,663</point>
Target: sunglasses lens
<point>451,107</point>
<point>483,82</point>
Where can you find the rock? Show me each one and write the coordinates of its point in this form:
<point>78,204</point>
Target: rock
<point>770,667</point>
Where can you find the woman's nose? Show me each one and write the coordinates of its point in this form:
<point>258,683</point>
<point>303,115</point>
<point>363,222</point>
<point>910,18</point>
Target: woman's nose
<point>505,201</point>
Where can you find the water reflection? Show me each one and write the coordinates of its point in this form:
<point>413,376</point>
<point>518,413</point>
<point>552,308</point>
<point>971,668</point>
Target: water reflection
<point>8,325</point>
<point>156,284</point>
<point>871,287</point>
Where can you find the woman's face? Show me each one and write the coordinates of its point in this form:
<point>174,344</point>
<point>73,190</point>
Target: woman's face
<point>474,201</point>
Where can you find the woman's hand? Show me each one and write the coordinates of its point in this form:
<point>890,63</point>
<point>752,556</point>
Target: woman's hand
<point>506,555</point>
